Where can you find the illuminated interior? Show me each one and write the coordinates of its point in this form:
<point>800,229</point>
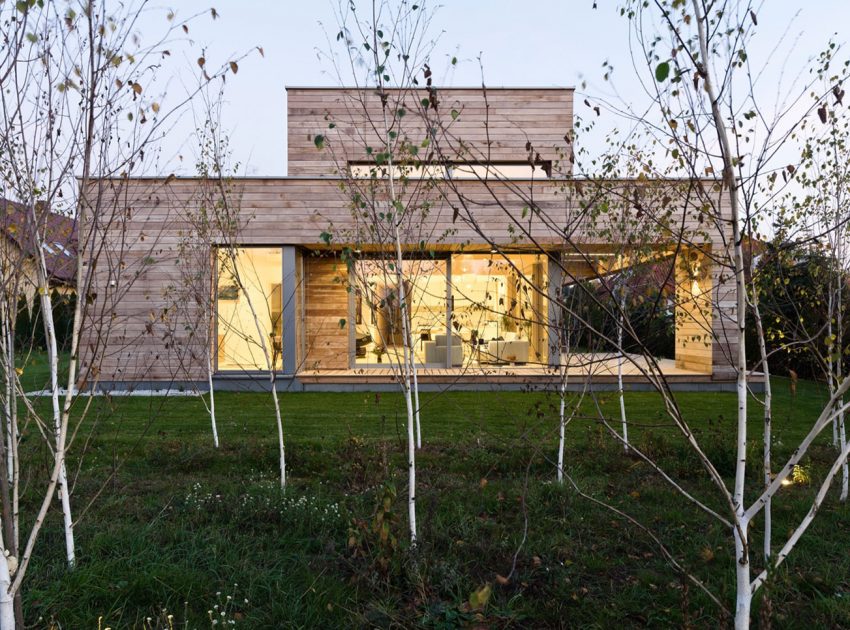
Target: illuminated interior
<point>249,284</point>
<point>377,317</point>
<point>496,318</point>
<point>497,314</point>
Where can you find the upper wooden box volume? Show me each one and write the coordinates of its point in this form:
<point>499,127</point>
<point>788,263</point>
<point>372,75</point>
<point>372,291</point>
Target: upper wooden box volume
<point>495,128</point>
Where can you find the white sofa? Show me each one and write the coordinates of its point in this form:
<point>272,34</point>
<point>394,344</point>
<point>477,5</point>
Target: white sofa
<point>435,351</point>
<point>513,351</point>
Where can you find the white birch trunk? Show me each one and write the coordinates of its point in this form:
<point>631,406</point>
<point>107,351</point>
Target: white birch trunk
<point>11,416</point>
<point>768,424</point>
<point>743,590</point>
<point>58,424</point>
<point>839,371</point>
<point>9,382</point>
<point>7,600</point>
<point>409,379</point>
<point>620,360</point>
<point>842,436</point>
<point>212,398</point>
<point>830,365</point>
<point>416,398</point>
<point>408,397</point>
<point>562,420</point>
<point>272,379</point>
<point>744,593</point>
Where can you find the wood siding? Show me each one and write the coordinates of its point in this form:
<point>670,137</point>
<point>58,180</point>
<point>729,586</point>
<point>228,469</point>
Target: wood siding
<point>139,328</point>
<point>326,305</point>
<point>493,127</point>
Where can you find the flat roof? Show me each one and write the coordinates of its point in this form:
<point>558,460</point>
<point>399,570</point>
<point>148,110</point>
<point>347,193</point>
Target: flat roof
<point>439,87</point>
<point>547,180</point>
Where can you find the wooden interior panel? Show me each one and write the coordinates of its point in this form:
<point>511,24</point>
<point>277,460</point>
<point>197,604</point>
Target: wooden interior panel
<point>326,305</point>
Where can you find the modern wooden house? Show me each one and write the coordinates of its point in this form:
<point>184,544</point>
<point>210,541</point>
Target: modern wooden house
<point>303,279</point>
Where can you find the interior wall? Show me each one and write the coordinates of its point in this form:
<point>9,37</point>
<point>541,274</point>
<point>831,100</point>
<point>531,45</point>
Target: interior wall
<point>694,339</point>
<point>325,314</point>
<point>254,282</point>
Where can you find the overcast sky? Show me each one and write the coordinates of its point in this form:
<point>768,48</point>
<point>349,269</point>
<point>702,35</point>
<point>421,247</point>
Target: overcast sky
<point>522,43</point>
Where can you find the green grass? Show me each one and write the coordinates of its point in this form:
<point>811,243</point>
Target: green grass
<point>166,521</point>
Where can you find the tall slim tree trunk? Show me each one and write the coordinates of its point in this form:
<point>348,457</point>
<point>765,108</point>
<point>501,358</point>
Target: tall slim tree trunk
<point>58,421</point>
<point>768,422</point>
<point>744,593</point>
<point>212,398</point>
<point>416,399</point>
<point>269,358</point>
<point>839,374</point>
<point>407,380</point>
<point>9,382</point>
<point>831,380</point>
<point>562,420</point>
<point>7,601</point>
<point>620,360</point>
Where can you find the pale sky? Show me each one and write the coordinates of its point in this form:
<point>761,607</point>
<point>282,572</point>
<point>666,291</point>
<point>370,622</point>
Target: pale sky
<point>522,43</point>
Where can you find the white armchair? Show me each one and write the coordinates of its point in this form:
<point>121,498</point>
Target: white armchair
<point>435,351</point>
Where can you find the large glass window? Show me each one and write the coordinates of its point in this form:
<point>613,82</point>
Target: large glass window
<point>377,316</point>
<point>496,315</point>
<point>249,306</point>
<point>499,309</point>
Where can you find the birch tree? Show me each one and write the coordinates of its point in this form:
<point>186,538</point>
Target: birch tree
<point>219,200</point>
<point>731,136</point>
<point>77,105</point>
<point>383,52</point>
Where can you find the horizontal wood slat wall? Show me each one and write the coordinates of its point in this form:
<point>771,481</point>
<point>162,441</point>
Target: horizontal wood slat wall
<point>147,339</point>
<point>510,213</point>
<point>326,304</point>
<point>493,126</point>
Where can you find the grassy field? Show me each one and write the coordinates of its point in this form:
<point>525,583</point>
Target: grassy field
<point>169,525</point>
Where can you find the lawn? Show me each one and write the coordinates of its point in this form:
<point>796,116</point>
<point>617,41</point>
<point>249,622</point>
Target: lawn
<point>169,525</point>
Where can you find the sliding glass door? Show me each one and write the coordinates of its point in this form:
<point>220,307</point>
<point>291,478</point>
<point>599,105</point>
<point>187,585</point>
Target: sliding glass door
<point>499,309</point>
<point>468,310</point>
<point>378,327</point>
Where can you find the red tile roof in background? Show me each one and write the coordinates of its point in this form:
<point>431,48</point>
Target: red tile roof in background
<point>59,237</point>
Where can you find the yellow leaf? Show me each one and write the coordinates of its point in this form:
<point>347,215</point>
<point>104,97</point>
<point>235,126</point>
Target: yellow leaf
<point>137,88</point>
<point>234,67</point>
<point>19,371</point>
<point>478,599</point>
<point>155,107</point>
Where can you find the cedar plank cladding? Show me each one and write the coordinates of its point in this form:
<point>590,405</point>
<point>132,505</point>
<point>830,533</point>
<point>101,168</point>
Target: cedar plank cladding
<point>494,127</point>
<point>142,245</point>
<point>295,211</point>
<point>139,327</point>
<point>326,303</point>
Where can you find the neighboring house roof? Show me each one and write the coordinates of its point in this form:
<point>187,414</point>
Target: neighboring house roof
<point>59,238</point>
